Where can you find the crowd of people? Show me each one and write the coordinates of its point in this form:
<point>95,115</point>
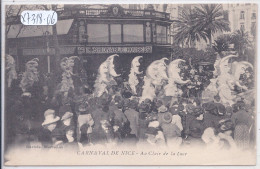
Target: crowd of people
<point>118,117</point>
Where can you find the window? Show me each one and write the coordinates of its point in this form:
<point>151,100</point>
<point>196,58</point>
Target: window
<point>161,34</point>
<point>253,28</point>
<point>133,32</point>
<point>242,15</point>
<point>242,26</point>
<point>116,31</point>
<point>97,33</point>
<point>254,15</point>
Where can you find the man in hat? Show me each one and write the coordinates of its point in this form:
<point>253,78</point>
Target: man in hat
<point>194,125</point>
<point>212,114</point>
<point>84,117</point>
<point>49,127</point>
<point>117,109</point>
<point>225,128</point>
<point>161,111</point>
<point>171,131</point>
<point>132,115</point>
<point>151,136</point>
<point>102,113</point>
<point>66,121</point>
<point>176,118</point>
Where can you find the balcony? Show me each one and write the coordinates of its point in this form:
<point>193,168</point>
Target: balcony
<point>115,12</point>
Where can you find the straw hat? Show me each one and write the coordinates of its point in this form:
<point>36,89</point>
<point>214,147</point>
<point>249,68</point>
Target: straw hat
<point>50,117</point>
<point>67,115</point>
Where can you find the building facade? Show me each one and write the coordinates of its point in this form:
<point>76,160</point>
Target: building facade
<point>94,33</point>
<point>242,16</point>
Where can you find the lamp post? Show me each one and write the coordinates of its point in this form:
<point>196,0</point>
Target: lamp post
<point>46,34</point>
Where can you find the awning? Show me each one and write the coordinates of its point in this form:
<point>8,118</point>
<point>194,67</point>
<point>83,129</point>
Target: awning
<point>63,27</point>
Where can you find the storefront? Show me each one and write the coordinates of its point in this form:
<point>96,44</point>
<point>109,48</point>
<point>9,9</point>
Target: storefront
<point>94,34</point>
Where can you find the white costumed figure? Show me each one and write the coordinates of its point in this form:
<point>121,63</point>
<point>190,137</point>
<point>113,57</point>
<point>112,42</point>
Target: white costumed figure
<point>174,79</point>
<point>31,75</point>
<point>133,80</point>
<point>105,77</point>
<point>155,75</point>
<point>228,78</point>
<point>67,64</point>
<point>10,70</point>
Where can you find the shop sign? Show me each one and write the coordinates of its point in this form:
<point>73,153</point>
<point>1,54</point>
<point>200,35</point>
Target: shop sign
<point>63,51</point>
<point>109,50</point>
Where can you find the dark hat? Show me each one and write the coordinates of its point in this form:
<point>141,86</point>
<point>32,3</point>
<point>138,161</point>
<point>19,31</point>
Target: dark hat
<point>133,104</point>
<point>198,110</point>
<point>221,110</point>
<point>225,125</point>
<point>126,102</point>
<point>180,107</point>
<point>190,108</point>
<point>117,98</point>
<point>167,117</point>
<point>83,109</point>
<point>241,104</point>
<point>159,103</point>
<point>229,110</point>
<point>147,101</point>
<point>127,94</point>
<point>210,106</point>
<point>174,110</point>
<point>69,128</point>
<point>217,97</point>
<point>120,104</point>
<point>152,131</point>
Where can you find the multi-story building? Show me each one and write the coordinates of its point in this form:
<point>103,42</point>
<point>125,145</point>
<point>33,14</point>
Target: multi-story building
<point>242,16</point>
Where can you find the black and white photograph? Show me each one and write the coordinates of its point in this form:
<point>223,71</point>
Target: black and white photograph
<point>129,84</point>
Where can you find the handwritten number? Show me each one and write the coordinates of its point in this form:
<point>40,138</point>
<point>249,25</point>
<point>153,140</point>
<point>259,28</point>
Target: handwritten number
<point>38,18</point>
<point>28,18</point>
<point>52,19</point>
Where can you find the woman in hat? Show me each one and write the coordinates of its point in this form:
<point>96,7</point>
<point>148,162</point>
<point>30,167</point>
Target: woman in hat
<point>225,129</point>
<point>84,117</point>
<point>49,127</point>
<point>66,121</point>
<point>242,121</point>
<point>70,142</point>
<point>160,139</point>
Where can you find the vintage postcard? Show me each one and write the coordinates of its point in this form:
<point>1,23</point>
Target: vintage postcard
<point>129,84</point>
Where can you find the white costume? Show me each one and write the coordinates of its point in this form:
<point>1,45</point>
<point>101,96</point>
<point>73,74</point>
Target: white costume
<point>174,79</point>
<point>10,69</point>
<point>105,77</point>
<point>30,75</point>
<point>155,75</point>
<point>67,65</point>
<point>228,78</point>
<point>132,80</point>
